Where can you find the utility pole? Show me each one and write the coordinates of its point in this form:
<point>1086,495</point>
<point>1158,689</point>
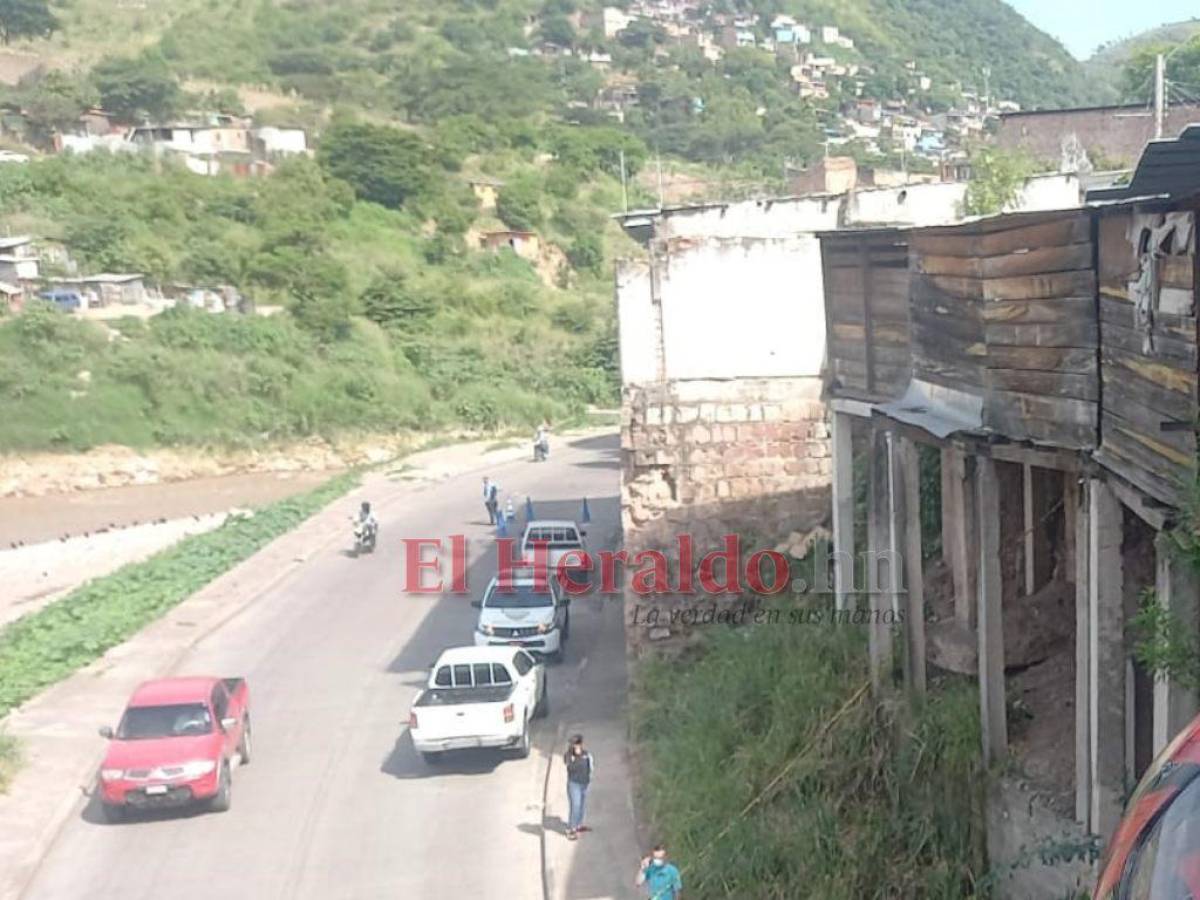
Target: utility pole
<point>624,187</point>
<point>987,88</point>
<point>658,162</point>
<point>1160,100</point>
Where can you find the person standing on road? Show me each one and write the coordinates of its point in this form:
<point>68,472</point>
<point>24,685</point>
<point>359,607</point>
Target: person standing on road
<point>491,499</point>
<point>660,878</point>
<point>580,766</point>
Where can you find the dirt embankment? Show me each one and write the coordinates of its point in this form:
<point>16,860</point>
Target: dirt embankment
<point>48,474</point>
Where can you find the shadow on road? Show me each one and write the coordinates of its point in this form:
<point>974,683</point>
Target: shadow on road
<point>93,813</point>
<point>405,763</point>
<point>611,442</point>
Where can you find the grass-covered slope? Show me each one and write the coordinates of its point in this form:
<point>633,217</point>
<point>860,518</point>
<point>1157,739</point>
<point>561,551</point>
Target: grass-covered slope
<point>877,805</point>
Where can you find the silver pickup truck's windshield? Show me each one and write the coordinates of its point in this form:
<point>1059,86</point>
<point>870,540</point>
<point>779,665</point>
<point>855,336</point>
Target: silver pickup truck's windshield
<point>178,720</point>
<point>518,597</point>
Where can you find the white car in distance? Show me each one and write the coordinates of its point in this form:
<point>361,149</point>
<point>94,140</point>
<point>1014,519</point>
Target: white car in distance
<point>563,539</point>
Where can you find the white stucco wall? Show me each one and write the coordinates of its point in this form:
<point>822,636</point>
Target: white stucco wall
<point>752,218</point>
<point>731,308</point>
<point>636,323</point>
<point>915,204</point>
<point>1043,192</point>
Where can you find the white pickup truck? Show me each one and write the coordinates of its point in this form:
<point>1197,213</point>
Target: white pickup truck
<point>479,697</point>
<point>562,538</point>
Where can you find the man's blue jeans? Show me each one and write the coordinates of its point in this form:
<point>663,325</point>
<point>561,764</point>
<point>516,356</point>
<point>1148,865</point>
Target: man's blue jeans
<point>576,796</point>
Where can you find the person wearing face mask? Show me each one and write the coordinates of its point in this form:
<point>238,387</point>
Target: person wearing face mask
<point>660,878</point>
<point>580,767</point>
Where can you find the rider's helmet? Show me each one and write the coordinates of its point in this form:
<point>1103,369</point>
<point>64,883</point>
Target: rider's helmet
<point>365,509</point>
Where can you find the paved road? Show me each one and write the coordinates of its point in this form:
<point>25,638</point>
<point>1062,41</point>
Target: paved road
<point>336,804</point>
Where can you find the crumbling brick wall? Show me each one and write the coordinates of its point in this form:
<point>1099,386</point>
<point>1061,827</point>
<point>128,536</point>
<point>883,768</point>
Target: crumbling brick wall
<point>710,457</point>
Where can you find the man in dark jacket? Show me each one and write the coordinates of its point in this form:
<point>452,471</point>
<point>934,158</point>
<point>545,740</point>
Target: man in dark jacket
<point>580,767</point>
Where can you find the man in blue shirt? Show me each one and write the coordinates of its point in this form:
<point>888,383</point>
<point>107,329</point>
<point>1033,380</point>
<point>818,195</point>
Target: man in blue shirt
<point>660,878</point>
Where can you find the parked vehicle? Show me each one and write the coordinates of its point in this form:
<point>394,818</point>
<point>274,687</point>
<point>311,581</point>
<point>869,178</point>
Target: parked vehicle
<point>1155,851</point>
<point>65,300</point>
<point>562,537</point>
<point>479,697</point>
<point>177,743</point>
<point>536,617</point>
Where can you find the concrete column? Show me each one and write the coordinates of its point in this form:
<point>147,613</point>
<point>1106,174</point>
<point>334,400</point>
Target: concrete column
<point>880,561</point>
<point>958,530</point>
<point>1175,585</point>
<point>990,614</point>
<point>1076,510</point>
<point>1106,658</point>
<point>908,523</point>
<point>843,510</point>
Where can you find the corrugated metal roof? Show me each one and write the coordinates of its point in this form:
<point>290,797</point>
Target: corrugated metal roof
<point>938,410</point>
<point>1169,169</point>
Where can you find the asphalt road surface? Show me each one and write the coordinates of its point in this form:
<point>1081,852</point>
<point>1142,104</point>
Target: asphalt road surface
<point>336,803</point>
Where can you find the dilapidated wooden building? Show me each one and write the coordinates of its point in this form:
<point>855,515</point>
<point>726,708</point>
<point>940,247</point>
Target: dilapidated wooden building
<point>1048,363</point>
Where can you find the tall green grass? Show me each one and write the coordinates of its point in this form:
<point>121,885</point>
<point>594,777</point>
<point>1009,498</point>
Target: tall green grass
<point>887,805</point>
<point>10,759</point>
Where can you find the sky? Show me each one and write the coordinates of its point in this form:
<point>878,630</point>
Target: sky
<point>1082,25</point>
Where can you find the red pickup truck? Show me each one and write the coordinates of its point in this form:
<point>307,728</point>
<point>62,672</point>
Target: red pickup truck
<point>178,743</point>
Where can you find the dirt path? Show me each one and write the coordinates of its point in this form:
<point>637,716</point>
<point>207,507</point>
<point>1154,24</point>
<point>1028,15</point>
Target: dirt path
<point>30,520</point>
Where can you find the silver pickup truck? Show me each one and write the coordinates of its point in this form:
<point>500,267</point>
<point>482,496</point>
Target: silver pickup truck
<point>479,697</point>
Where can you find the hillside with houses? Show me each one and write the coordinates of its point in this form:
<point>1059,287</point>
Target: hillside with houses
<point>438,182</point>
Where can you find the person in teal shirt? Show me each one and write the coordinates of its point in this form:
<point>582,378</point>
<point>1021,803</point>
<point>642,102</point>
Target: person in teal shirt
<point>660,878</point>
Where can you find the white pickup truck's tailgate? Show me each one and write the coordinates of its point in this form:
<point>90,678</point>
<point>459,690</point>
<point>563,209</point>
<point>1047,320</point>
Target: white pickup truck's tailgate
<point>469,720</point>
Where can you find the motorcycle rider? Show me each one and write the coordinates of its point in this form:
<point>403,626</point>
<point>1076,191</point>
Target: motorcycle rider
<point>541,441</point>
<point>367,521</point>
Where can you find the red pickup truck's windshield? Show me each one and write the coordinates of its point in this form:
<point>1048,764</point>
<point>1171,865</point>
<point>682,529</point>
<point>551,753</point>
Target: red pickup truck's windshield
<point>178,720</point>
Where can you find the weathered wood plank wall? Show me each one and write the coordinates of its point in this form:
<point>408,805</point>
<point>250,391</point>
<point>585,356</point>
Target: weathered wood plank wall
<point>866,297</point>
<point>1148,373</point>
<point>1007,307</point>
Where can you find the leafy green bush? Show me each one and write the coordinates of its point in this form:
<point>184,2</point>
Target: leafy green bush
<point>46,646</point>
<point>519,206</point>
<point>10,760</point>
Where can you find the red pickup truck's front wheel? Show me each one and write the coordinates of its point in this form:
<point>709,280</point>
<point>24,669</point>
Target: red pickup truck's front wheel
<point>223,798</point>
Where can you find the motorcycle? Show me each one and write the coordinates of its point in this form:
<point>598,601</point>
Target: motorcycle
<point>364,536</point>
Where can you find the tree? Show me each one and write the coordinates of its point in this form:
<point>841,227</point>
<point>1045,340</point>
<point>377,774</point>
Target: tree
<point>138,87</point>
<point>586,254</point>
<point>1182,67</point>
<point>54,101</point>
<point>519,206</point>
<point>557,29</point>
<point>996,177</point>
<point>26,19</point>
<point>389,301</point>
<point>383,164</point>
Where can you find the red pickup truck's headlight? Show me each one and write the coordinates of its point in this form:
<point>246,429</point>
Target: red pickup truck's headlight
<point>112,774</point>
<point>197,768</point>
<point>508,713</point>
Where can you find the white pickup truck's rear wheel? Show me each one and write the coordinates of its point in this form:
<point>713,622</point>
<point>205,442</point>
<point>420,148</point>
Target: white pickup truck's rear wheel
<point>522,749</point>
